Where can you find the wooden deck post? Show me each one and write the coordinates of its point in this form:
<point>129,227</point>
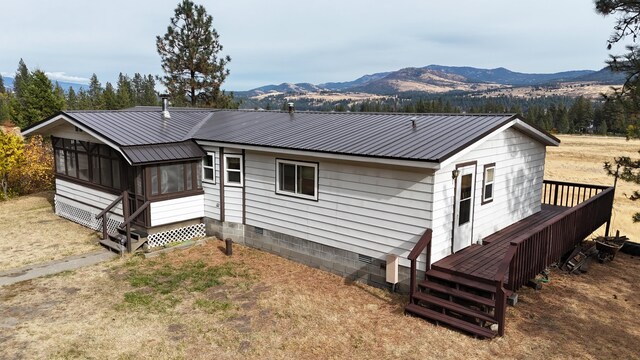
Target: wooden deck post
<point>125,210</point>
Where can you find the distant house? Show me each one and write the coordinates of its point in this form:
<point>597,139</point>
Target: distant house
<point>350,193</point>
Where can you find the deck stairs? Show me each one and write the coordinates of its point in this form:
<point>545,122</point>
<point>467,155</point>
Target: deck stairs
<point>450,299</point>
<point>118,242</point>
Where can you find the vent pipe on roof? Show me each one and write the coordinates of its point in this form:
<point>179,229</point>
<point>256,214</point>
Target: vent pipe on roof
<point>413,122</point>
<point>290,107</point>
<point>165,107</point>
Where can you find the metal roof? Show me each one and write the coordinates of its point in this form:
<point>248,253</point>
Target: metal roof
<point>422,137</point>
<point>434,137</point>
<point>154,153</point>
<point>135,127</point>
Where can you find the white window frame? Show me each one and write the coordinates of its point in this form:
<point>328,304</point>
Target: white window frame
<point>212,167</point>
<point>295,192</point>
<point>226,170</point>
<point>486,199</point>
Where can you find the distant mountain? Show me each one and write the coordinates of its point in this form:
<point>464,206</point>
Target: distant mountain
<point>507,77</point>
<point>337,86</point>
<point>441,79</point>
<point>8,83</point>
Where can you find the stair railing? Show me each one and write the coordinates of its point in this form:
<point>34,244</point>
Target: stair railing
<point>424,242</point>
<point>129,218</point>
<point>103,215</point>
<point>501,297</point>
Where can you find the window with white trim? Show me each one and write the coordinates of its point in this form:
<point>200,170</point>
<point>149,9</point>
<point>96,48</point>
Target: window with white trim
<point>209,168</point>
<point>487,183</point>
<point>297,178</point>
<point>233,169</point>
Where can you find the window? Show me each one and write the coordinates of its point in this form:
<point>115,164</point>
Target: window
<point>209,168</point>
<point>296,178</point>
<point>233,170</point>
<point>487,183</point>
<point>174,178</point>
<point>86,161</point>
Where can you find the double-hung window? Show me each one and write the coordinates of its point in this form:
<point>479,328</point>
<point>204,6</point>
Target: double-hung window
<point>296,178</point>
<point>233,169</point>
<point>487,183</point>
<point>209,168</point>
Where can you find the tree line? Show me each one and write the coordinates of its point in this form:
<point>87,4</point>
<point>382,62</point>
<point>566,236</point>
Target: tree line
<point>34,97</point>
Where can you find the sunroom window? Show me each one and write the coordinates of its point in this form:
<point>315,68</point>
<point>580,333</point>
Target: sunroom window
<point>297,178</point>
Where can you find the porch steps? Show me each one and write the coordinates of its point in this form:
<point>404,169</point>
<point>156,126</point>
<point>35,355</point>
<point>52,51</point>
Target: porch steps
<point>459,302</point>
<point>114,242</point>
<point>454,322</point>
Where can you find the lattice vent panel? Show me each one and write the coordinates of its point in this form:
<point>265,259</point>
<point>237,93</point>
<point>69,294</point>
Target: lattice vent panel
<point>175,235</point>
<point>85,218</point>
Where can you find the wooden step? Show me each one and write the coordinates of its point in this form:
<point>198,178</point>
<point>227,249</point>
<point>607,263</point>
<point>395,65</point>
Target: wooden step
<point>457,293</point>
<point>116,239</point>
<point>460,309</point>
<point>451,321</point>
<point>113,246</point>
<point>462,281</point>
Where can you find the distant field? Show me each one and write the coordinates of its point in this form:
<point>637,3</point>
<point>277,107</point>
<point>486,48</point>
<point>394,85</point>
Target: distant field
<point>581,158</point>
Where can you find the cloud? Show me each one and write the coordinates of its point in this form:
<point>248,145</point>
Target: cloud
<point>62,76</point>
<point>7,74</point>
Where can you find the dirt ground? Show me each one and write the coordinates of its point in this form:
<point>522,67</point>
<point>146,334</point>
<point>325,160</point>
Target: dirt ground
<point>581,159</point>
<point>255,305</point>
<point>31,233</point>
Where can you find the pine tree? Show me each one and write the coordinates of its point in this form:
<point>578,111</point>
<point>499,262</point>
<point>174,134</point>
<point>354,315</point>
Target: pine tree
<point>109,98</point>
<point>148,96</point>
<point>95,93</point>
<point>21,80</point>
<point>194,70</point>
<point>39,100</point>
<point>84,100</point>
<point>125,93</point>
<point>3,90</point>
<point>72,99</point>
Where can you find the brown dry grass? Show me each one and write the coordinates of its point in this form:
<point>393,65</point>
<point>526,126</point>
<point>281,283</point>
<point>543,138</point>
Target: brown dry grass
<point>31,233</point>
<point>580,159</point>
<point>284,310</point>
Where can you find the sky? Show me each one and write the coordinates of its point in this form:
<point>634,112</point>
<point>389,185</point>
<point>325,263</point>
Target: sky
<point>276,41</point>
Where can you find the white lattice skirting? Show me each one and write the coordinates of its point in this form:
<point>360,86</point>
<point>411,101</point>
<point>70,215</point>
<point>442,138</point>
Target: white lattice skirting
<point>85,217</point>
<point>176,235</point>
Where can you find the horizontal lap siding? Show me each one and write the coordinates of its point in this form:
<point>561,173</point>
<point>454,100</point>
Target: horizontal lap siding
<point>517,187</point>
<point>86,195</point>
<point>174,210</point>
<point>211,190</point>
<point>233,204</point>
<point>373,211</point>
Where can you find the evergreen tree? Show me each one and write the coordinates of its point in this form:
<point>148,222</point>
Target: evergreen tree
<point>148,96</point>
<point>84,100</point>
<point>627,25</point>
<point>3,90</point>
<point>58,93</point>
<point>21,80</point>
<point>39,100</point>
<point>72,99</point>
<point>194,70</point>
<point>125,94</point>
<point>109,98</point>
<point>95,93</point>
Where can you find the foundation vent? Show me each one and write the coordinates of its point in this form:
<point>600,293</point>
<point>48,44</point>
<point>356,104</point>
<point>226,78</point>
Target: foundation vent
<point>365,259</point>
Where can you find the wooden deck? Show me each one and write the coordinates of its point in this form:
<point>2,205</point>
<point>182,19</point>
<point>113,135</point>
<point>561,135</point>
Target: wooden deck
<point>481,262</point>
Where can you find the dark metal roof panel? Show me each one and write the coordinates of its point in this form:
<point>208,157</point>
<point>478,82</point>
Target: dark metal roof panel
<point>128,128</point>
<point>153,153</point>
<point>434,138</point>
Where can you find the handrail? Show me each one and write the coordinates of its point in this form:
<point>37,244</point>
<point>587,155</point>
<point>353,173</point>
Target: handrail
<point>103,214</point>
<point>424,242</point>
<point>591,186</point>
<point>110,206</point>
<point>501,298</point>
<point>135,214</point>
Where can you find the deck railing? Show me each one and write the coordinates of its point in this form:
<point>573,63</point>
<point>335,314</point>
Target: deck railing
<point>549,241</point>
<point>560,193</point>
<point>424,242</point>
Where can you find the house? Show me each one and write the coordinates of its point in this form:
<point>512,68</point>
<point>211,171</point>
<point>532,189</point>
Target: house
<point>358,194</point>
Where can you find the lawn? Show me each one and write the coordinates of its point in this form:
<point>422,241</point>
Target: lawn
<point>31,233</point>
<point>201,304</point>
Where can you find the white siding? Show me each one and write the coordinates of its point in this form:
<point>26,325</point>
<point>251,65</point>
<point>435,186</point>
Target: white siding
<point>372,210</point>
<point>174,210</point>
<point>211,190</point>
<point>86,195</point>
<point>67,131</point>
<point>517,188</point>
<point>233,196</point>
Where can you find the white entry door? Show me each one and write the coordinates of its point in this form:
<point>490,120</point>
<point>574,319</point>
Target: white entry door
<point>463,221</point>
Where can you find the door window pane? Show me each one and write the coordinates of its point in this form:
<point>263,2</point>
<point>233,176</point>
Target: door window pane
<point>465,199</point>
